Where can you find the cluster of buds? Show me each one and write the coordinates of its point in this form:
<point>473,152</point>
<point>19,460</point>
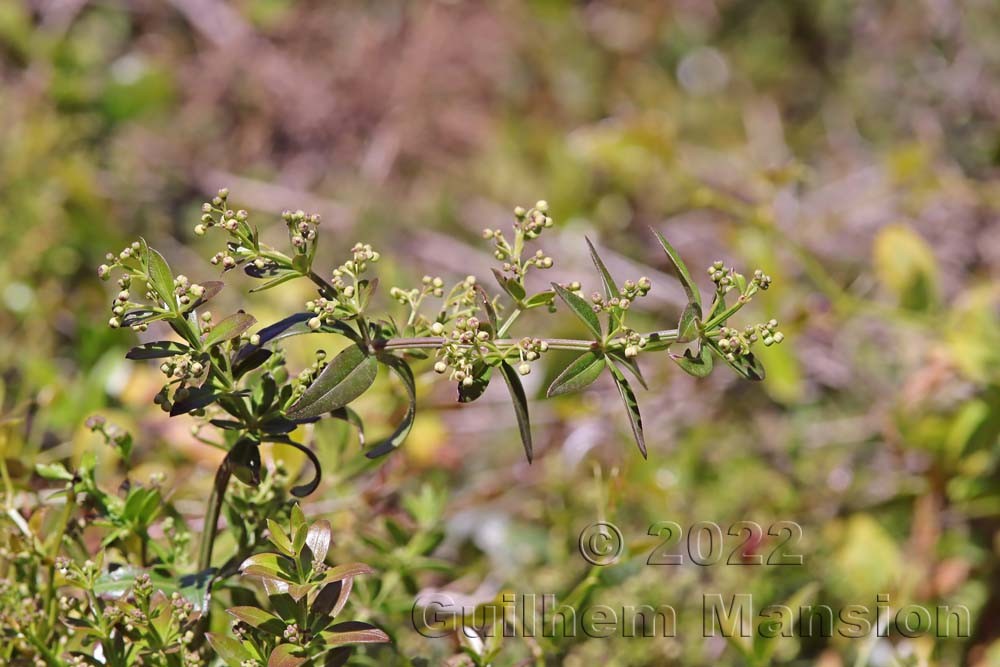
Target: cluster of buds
<point>429,286</point>
<point>225,259</point>
<point>323,310</point>
<point>633,343</point>
<point>292,634</point>
<point>217,213</point>
<point>181,608</point>
<point>301,229</point>
<point>182,367</point>
<point>186,291</point>
<point>530,349</point>
<point>722,277</point>
<point>735,343</point>
<point>129,251</point>
<point>361,254</point>
<point>309,374</point>
<point>761,279</point>
<point>461,349</point>
<point>534,220</point>
<point>630,291</point>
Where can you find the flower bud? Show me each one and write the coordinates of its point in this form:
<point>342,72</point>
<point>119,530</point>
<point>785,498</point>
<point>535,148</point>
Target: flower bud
<point>315,323</point>
<point>437,328</point>
<point>524,368</point>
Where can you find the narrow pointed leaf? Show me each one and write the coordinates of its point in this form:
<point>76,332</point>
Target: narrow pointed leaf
<point>341,572</point>
<point>631,363</point>
<point>520,406</point>
<point>353,632</point>
<point>699,365</point>
<point>232,651</point>
<point>579,374</point>
<point>196,398</point>
<point>211,288</point>
<point>345,378</point>
<point>318,539</point>
<point>402,370</point>
<point>157,350</point>
<point>610,289</point>
<point>332,597</point>
<point>581,309</point>
<point>690,288</point>
<point>484,301</point>
<point>258,618</point>
<point>509,285</point>
<point>160,278</point>
<point>229,328</point>
<point>631,407</point>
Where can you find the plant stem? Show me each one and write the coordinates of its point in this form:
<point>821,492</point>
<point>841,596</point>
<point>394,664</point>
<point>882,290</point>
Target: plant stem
<point>212,513</point>
<point>658,340</point>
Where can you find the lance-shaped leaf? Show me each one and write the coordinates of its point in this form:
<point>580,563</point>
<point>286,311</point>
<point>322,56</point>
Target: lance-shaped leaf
<point>353,632</point>
<point>699,365</point>
<point>195,399</point>
<point>747,367</point>
<point>511,286</point>
<point>347,570</point>
<point>258,618</point>
<point>332,597</point>
<point>402,370</point>
<point>251,362</point>
<point>481,373</point>
<point>160,278</point>
<point>232,651</point>
<point>345,378</point>
<point>631,407</point>
<point>579,374</point>
<point>610,289</point>
<point>229,328</point>
<point>157,350</point>
<point>630,363</point>
<point>244,461</point>
<point>520,406</point>
<point>690,288</point>
<point>581,309</point>
<point>484,301</point>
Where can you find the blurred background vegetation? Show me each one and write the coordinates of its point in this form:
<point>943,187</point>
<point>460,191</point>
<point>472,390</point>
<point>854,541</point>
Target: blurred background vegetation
<point>849,148</point>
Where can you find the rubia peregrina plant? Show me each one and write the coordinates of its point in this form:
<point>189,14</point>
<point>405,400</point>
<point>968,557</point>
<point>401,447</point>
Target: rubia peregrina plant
<point>235,379</point>
<point>305,595</point>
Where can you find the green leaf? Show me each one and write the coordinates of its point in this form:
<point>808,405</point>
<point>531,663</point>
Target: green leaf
<point>341,572</point>
<point>404,373</point>
<point>279,538</point>
<point>631,407</point>
<point>157,350</point>
<point>520,406</point>
<point>582,372</point>
<point>284,656</point>
<point>541,299</point>
<point>282,276</point>
<point>353,632</point>
<point>345,378</point>
<point>481,374</point>
<point>229,328</point>
<point>196,398</point>
<point>53,471</point>
<point>905,264</point>
<point>511,286</point>
<point>232,652</point>
<point>194,588</point>
<point>687,328</point>
<point>699,366</point>
<point>690,288</point>
<point>610,289</point>
<point>484,301</point>
<point>631,363</point>
<point>747,367</point>
<point>160,278</point>
<point>256,617</point>
<point>581,309</point>
<point>318,539</point>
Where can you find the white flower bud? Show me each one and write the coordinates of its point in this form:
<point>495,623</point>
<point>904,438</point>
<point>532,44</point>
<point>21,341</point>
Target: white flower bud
<point>440,367</point>
<point>437,328</point>
<point>524,368</point>
<point>315,323</point>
